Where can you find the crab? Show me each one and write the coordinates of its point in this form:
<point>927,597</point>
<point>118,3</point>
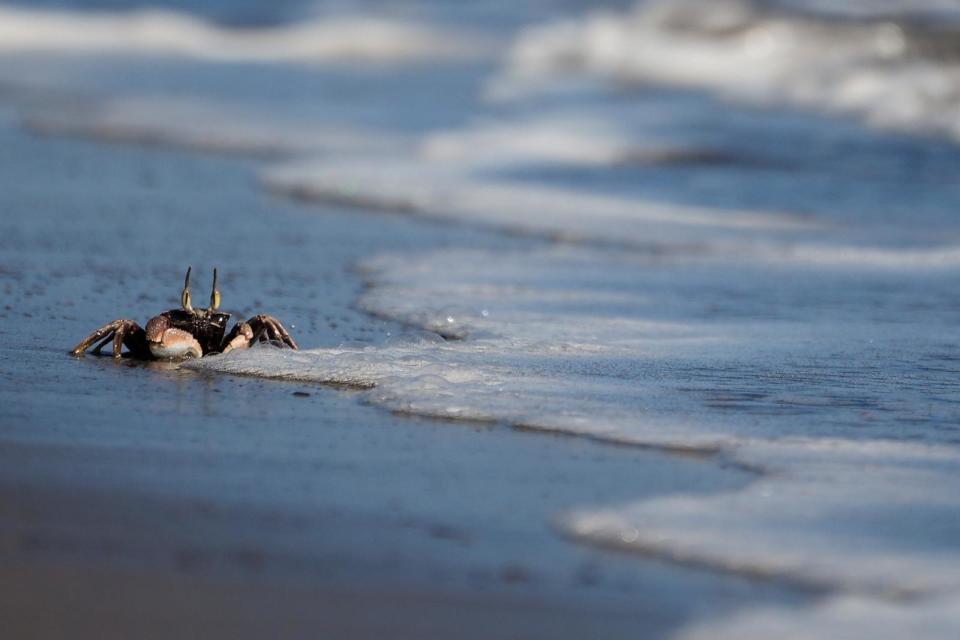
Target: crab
<point>186,332</point>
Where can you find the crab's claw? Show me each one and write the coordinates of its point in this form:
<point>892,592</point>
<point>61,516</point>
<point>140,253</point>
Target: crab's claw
<point>168,342</point>
<point>258,328</point>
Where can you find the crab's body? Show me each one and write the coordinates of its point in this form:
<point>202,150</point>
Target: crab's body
<point>180,334</point>
<point>186,332</point>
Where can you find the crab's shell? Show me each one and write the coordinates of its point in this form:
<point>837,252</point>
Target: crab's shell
<point>207,328</point>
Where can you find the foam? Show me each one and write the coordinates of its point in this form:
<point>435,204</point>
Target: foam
<point>446,190</point>
<point>854,492</point>
<point>439,188</point>
<point>553,138</point>
<point>878,70</point>
<point>478,174</point>
<point>453,176</point>
<point>865,257</point>
<point>164,33</point>
<point>870,517</point>
<point>849,617</point>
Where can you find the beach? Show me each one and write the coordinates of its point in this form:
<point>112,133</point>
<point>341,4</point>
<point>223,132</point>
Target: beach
<point>159,502</point>
<point>598,337</point>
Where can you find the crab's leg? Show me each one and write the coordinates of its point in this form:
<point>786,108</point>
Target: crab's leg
<point>96,350</point>
<point>239,337</point>
<point>261,327</point>
<point>123,332</point>
<point>104,334</point>
<point>135,339</point>
<point>272,329</point>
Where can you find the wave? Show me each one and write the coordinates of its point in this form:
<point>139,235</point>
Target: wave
<point>467,175</point>
<point>846,617</point>
<point>808,519</point>
<point>444,190</point>
<point>817,392</point>
<point>154,32</point>
<point>464,176</point>
<point>892,72</point>
<point>439,188</point>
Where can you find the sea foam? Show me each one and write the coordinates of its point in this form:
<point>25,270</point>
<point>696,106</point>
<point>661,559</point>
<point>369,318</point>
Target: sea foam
<point>448,190</point>
<point>843,617</point>
<point>893,73</point>
<point>841,407</point>
<point>155,32</point>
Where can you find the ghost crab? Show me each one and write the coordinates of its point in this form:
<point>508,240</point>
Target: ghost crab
<point>185,332</point>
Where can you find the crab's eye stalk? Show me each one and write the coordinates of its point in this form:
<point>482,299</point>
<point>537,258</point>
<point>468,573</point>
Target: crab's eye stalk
<point>185,295</point>
<point>215,293</point>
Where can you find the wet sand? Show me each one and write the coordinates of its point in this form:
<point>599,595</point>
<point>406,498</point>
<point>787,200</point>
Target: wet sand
<point>144,501</point>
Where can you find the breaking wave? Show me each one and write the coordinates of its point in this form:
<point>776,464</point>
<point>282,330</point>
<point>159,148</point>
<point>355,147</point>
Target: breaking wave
<point>443,190</point>
<point>155,32</point>
<point>891,71</point>
<point>818,392</point>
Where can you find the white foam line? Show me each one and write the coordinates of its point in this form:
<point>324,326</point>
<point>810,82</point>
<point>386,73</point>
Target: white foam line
<point>805,518</point>
<point>744,50</point>
<point>562,340</point>
<point>847,617</point>
<point>152,32</point>
<point>445,190</point>
<point>437,189</point>
<point>863,257</point>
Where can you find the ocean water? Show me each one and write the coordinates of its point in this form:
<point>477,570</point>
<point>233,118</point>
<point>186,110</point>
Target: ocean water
<point>743,244</point>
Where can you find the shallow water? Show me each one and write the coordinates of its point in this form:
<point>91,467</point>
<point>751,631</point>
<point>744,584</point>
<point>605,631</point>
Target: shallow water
<point>164,471</point>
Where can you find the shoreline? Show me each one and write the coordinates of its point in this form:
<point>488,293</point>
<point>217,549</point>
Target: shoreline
<point>197,440</point>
